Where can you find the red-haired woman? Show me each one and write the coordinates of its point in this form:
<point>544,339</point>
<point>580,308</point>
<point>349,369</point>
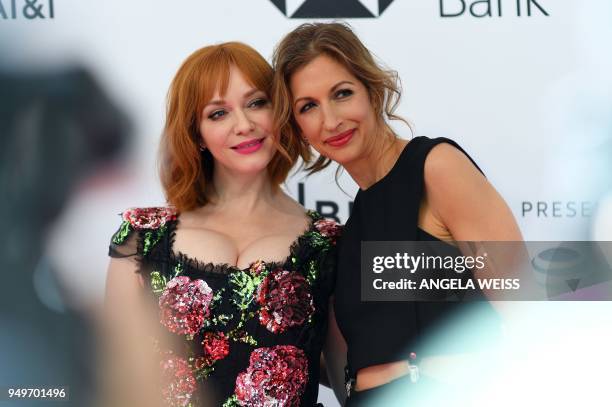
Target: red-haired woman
<point>241,273</point>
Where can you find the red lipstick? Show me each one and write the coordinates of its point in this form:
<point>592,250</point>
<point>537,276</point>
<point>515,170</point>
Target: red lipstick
<point>341,139</point>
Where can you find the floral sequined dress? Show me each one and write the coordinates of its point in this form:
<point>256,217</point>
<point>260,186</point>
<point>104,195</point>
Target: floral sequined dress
<point>247,337</point>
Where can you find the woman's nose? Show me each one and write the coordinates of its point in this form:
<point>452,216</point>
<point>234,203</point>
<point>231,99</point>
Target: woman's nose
<point>244,125</point>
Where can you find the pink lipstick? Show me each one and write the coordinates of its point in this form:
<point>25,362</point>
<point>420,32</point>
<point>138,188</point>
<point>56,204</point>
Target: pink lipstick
<point>248,147</point>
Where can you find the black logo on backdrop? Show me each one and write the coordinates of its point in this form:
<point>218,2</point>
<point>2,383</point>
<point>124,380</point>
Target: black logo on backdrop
<point>332,8</point>
<point>26,9</point>
<point>491,8</point>
<point>328,209</point>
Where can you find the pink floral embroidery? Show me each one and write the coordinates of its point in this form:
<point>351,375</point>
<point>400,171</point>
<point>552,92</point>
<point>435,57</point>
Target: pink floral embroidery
<point>328,228</point>
<point>185,305</point>
<point>149,218</point>
<point>285,300</point>
<point>216,346</point>
<point>180,382</point>
<point>276,376</point>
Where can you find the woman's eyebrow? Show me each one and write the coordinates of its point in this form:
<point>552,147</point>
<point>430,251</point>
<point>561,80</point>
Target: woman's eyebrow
<point>215,103</point>
<point>219,102</point>
<point>251,93</point>
<point>332,90</point>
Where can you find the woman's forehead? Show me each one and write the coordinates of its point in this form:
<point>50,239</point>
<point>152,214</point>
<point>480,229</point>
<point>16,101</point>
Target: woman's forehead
<point>322,72</point>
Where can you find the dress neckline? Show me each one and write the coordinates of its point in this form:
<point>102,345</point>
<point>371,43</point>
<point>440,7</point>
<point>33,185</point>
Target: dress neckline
<point>226,268</point>
<point>393,167</point>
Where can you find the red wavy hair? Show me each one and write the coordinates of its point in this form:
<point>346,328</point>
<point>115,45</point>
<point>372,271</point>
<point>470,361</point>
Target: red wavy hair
<point>185,171</point>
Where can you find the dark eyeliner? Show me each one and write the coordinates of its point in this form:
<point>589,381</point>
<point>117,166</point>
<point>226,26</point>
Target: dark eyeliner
<point>306,107</point>
<point>214,116</point>
<point>259,102</point>
<point>342,93</point>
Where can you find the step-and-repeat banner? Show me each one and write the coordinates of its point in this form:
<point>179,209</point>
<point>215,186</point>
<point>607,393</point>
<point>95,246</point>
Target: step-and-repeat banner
<point>525,86</point>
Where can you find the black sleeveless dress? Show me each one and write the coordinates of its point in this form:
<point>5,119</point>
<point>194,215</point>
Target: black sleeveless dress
<point>247,337</point>
<point>384,332</point>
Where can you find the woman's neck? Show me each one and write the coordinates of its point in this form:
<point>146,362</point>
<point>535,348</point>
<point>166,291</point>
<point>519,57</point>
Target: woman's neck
<point>375,164</point>
<point>242,193</point>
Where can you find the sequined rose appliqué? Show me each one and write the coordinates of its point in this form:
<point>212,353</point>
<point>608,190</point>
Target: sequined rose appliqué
<point>152,221</point>
<point>184,305</point>
<point>215,346</point>
<point>285,300</point>
<point>276,376</point>
<point>148,218</point>
<point>328,228</point>
<point>180,382</point>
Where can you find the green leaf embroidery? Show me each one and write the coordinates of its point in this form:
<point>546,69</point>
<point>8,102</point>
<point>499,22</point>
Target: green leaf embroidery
<point>238,334</point>
<point>204,372</point>
<point>158,282</point>
<point>222,319</point>
<point>178,269</point>
<point>231,402</point>
<point>217,298</point>
<point>318,241</point>
<point>246,338</point>
<point>313,272</point>
<point>151,238</point>
<point>314,214</point>
<point>243,288</point>
<point>122,233</point>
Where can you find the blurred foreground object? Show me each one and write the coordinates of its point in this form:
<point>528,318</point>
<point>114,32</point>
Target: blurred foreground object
<point>56,129</point>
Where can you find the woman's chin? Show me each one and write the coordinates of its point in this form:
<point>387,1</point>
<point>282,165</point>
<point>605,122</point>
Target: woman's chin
<point>343,158</point>
<point>252,169</point>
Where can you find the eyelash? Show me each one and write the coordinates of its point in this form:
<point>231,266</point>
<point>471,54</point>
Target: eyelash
<point>340,94</point>
<point>260,102</point>
<point>215,115</point>
<point>257,103</point>
<point>348,93</point>
<point>306,107</point>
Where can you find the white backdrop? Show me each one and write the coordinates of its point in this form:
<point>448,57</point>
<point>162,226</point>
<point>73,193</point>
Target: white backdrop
<point>529,97</point>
